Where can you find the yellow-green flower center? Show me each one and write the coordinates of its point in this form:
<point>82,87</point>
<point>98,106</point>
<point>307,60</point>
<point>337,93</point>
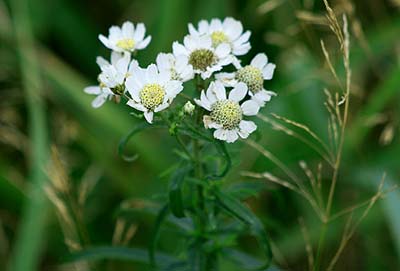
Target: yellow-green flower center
<point>218,37</point>
<point>152,95</point>
<point>201,59</point>
<point>252,77</point>
<point>227,113</point>
<point>126,44</point>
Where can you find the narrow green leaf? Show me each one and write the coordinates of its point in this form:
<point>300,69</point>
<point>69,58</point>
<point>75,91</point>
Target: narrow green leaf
<point>236,209</point>
<point>245,260</point>
<point>175,192</point>
<point>244,190</point>
<point>162,215</point>
<point>118,253</point>
<point>221,148</point>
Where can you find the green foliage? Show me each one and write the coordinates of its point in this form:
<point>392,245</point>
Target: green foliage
<point>47,52</point>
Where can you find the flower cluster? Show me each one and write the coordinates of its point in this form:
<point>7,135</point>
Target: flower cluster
<point>205,51</point>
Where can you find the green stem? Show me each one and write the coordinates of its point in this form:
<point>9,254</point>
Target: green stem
<point>206,262</point>
<point>320,249</point>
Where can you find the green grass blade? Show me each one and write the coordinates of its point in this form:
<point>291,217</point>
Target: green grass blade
<point>30,236</point>
<point>118,253</point>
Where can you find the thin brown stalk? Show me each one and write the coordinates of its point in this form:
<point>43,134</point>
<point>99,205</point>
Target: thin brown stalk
<point>313,182</point>
<point>345,115</point>
<point>350,230</point>
<point>309,249</point>
<point>290,132</point>
<point>329,62</point>
<point>290,174</point>
<point>271,178</point>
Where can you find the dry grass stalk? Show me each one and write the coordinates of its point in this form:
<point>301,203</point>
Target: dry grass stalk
<point>306,237</point>
<point>387,134</point>
<point>272,178</point>
<point>277,126</point>
<point>351,228</point>
<point>68,211</point>
<point>278,256</point>
<point>123,233</point>
<point>329,63</point>
<point>296,181</point>
<point>313,181</point>
<point>310,17</point>
<point>304,128</point>
<point>268,6</point>
<point>89,181</point>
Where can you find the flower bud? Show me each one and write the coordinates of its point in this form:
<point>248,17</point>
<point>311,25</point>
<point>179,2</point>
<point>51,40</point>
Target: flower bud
<point>188,108</point>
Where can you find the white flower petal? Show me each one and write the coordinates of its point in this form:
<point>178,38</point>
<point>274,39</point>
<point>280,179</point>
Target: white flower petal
<point>219,91</point>
<point>259,61</point>
<point>139,33</point>
<point>143,44</point>
<point>246,128</point>
<point>161,107</point>
<point>105,41</point>
<point>268,71</point>
<point>99,101</point>
<point>220,134</point>
<point>136,105</point>
<point>223,50</point>
<point>173,88</point>
<point>231,136</point>
<point>179,49</point>
<point>239,92</point>
<point>250,108</point>
<point>95,90</point>
<point>127,30</point>
<point>149,116</point>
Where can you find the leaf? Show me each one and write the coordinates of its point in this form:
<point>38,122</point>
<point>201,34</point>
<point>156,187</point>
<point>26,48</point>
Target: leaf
<point>244,190</point>
<point>175,192</point>
<point>236,209</point>
<point>221,148</point>
<point>245,260</point>
<point>118,253</point>
<point>163,213</point>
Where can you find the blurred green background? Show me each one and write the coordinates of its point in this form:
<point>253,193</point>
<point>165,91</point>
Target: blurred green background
<point>47,57</point>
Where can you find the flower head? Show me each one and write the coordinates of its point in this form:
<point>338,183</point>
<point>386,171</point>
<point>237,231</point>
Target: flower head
<point>126,38</point>
<point>151,90</point>
<point>112,77</point>
<point>113,74</point>
<point>228,31</point>
<point>253,76</point>
<point>204,58</point>
<point>178,67</point>
<point>226,114</point>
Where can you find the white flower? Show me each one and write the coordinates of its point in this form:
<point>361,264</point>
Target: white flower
<point>226,114</point>
<point>178,67</point>
<point>253,76</point>
<point>113,74</point>
<point>228,31</point>
<point>200,53</point>
<point>111,78</point>
<point>126,38</point>
<point>151,90</point>
<point>103,94</point>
